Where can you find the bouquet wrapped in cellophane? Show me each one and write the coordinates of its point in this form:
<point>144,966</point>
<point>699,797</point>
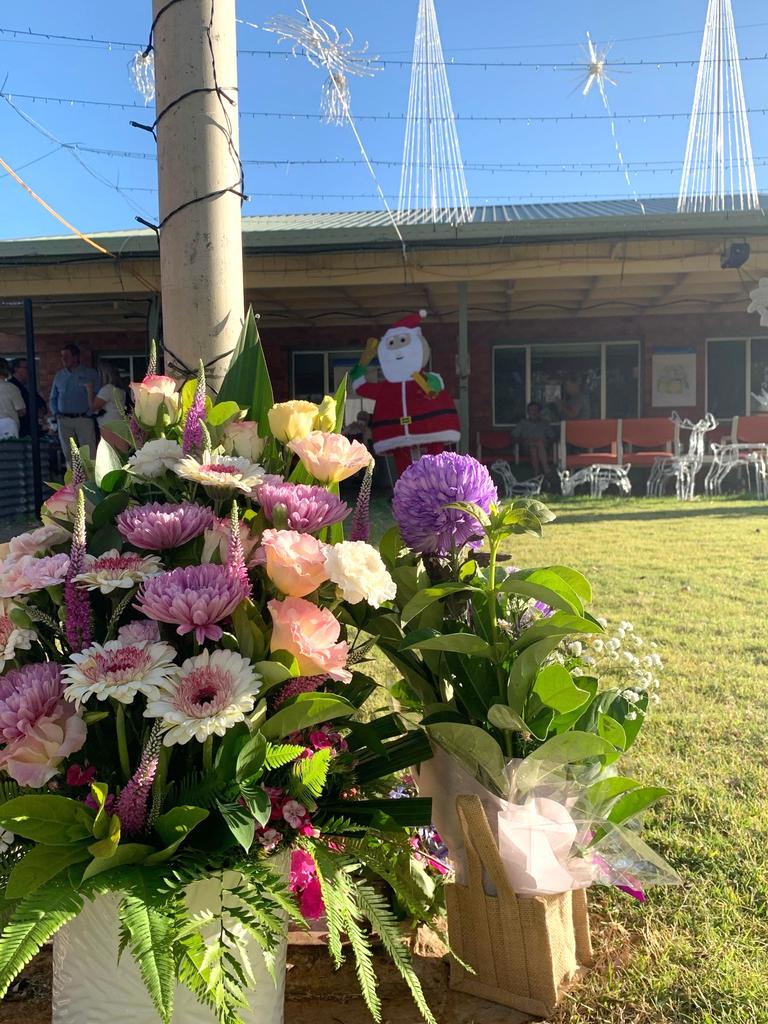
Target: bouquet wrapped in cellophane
<point>180,695</point>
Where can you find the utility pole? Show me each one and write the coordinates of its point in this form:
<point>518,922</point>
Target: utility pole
<point>200,183</point>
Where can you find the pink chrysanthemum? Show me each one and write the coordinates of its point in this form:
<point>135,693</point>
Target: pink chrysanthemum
<point>156,526</point>
<point>306,508</point>
<point>194,598</point>
<point>28,574</point>
<point>138,630</point>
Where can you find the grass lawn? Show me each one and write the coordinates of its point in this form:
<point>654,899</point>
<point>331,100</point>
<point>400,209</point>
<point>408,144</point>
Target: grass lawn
<point>695,579</point>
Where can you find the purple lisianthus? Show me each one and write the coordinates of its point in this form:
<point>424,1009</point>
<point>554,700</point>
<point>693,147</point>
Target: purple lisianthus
<point>424,490</point>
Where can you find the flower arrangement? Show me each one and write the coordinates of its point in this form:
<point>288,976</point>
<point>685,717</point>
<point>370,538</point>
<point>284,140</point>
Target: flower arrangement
<point>526,699</point>
<point>180,695</point>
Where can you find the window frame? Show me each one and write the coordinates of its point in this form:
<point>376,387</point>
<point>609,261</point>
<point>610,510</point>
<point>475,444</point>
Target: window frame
<point>746,408</point>
<point>604,345</point>
<point>130,356</point>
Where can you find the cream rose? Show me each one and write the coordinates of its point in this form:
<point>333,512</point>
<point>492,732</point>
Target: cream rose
<point>331,458</point>
<point>242,438</point>
<point>152,395</point>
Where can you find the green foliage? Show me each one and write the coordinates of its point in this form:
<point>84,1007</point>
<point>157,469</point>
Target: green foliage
<point>247,380</point>
<point>148,930</point>
<point>47,819</point>
<point>304,711</point>
<point>35,919</point>
<point>309,775</point>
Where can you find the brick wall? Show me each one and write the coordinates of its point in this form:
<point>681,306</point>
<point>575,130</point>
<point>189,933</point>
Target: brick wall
<point>652,332</point>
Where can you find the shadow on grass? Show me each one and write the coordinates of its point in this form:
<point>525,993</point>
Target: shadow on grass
<point>683,512</point>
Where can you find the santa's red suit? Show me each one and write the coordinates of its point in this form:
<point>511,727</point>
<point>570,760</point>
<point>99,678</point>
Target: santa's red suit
<point>411,417</point>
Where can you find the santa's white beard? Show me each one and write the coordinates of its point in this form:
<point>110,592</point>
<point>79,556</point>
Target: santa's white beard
<point>399,364</point>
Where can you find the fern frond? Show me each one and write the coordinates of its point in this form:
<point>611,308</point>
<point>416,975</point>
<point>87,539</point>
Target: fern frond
<point>374,906</point>
<point>280,754</point>
<point>150,935</point>
<point>33,922</point>
<point>309,775</point>
<point>8,790</point>
<point>199,790</point>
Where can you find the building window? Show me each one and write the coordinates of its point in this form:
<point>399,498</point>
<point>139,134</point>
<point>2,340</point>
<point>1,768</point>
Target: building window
<point>737,369</point>
<point>581,381</point>
<point>131,367</point>
<point>315,374</point>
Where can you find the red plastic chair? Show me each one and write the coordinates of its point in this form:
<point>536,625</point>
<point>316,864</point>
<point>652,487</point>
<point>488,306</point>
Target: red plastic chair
<point>751,430</point>
<point>495,445</point>
<point>600,438</point>
<point>654,437</point>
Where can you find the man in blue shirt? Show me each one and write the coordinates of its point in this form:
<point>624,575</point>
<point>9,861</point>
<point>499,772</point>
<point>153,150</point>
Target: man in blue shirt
<point>69,402</point>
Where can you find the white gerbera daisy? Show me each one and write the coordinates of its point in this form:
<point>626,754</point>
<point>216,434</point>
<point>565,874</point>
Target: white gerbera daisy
<point>118,669</point>
<point>12,637</point>
<point>206,696</point>
<point>115,571</point>
<point>358,571</point>
<point>221,474</point>
<point>155,458</point>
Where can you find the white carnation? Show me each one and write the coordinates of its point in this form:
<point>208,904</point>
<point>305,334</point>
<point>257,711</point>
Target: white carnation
<point>358,571</point>
<point>155,458</point>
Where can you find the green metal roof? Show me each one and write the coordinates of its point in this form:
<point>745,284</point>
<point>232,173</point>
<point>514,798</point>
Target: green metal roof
<point>489,225</point>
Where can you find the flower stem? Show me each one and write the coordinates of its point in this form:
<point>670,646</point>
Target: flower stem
<point>122,740</point>
<point>208,754</point>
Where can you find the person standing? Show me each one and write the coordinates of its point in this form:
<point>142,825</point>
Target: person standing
<point>20,379</point>
<point>12,405</point>
<point>109,402</point>
<point>69,402</point>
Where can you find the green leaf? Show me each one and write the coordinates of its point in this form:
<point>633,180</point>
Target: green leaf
<point>308,709</point>
<point>99,791</point>
<point>524,669</point>
<point>340,398</point>
<point>258,802</point>
<point>108,508</point>
<point>567,748</point>
<point>561,625</point>
<point>222,413</point>
<point>458,643</point>
<point>175,825</point>
<point>39,865</point>
<point>605,790</point>
<point>575,580</point>
<point>32,923</point>
<point>107,461</point>
<point>51,820</point>
<point>271,672</point>
<point>555,687</point>
<point>107,845</point>
<point>424,598</point>
<point>390,546</point>
<point>475,748</point>
<point>632,803</point>
<point>251,757</point>
<point>247,380</point>
<point>612,731</point>
<point>476,511</point>
<point>240,823</point>
<point>125,855</point>
<point>150,936</point>
<point>503,717</point>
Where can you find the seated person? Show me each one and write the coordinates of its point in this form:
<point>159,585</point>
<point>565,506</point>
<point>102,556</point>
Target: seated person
<point>534,432</point>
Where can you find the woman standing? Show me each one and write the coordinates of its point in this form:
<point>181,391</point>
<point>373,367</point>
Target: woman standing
<point>109,402</point>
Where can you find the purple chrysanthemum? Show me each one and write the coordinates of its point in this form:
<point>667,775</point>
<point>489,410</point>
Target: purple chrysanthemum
<point>194,598</point>
<point>422,493</point>
<point>308,508</point>
<point>157,526</point>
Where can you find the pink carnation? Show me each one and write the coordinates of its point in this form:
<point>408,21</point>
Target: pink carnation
<point>36,541</point>
<point>310,634</point>
<point>38,726</point>
<point>194,598</point>
<point>141,629</point>
<point>27,574</point>
<point>305,883</point>
<point>159,526</point>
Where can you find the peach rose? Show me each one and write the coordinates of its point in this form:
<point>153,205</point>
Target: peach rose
<point>309,634</point>
<point>290,421</point>
<point>154,395</point>
<point>62,506</point>
<point>295,561</point>
<point>34,758</point>
<point>242,438</point>
<point>331,458</point>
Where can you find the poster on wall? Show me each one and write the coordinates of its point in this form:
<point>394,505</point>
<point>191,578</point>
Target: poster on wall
<point>673,377</point>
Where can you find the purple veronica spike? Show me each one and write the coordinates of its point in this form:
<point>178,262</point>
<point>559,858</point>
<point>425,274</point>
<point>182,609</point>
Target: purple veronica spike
<point>193,439</point>
<point>78,624</point>
<point>78,469</point>
<point>235,556</point>
<point>131,807</point>
<point>422,493</point>
<point>301,684</point>
<point>361,527</point>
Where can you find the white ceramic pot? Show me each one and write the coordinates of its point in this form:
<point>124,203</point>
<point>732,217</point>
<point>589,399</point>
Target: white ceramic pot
<point>90,987</point>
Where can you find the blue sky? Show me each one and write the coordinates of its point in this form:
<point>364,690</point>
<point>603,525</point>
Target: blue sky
<point>547,31</point>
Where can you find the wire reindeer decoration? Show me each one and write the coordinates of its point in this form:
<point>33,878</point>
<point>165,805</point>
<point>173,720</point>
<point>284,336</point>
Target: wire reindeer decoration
<point>327,48</point>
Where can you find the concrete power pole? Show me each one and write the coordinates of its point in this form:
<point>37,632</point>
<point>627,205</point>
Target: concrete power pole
<point>199,172</point>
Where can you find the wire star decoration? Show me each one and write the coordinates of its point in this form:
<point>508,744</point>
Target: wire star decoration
<point>759,303</point>
<point>597,62</point>
<point>326,47</point>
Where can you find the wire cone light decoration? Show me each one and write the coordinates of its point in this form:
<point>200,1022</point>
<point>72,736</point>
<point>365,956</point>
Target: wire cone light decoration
<point>718,171</point>
<point>432,183</point>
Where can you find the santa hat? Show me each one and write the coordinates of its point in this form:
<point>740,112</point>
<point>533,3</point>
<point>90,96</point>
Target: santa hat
<point>412,320</point>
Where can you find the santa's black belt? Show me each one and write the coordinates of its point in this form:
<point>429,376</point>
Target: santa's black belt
<point>443,411</point>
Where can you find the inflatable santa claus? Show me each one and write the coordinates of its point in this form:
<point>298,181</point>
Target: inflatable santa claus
<point>413,416</point>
